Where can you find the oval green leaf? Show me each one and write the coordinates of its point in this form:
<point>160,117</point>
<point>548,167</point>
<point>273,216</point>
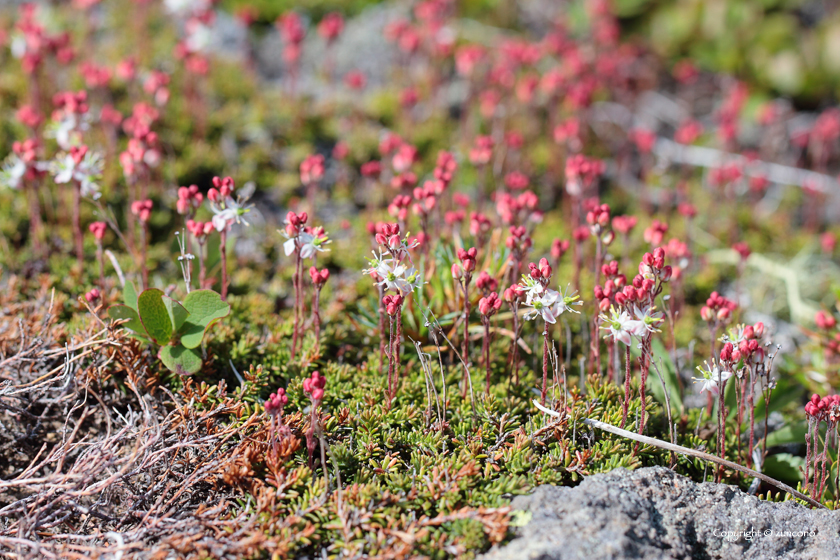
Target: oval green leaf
<point>120,311</point>
<point>205,308</point>
<point>183,361</point>
<point>155,316</point>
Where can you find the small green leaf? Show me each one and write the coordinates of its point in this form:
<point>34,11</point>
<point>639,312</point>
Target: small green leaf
<point>155,316</point>
<point>205,308</point>
<point>183,361</point>
<point>119,311</point>
<point>177,312</point>
<point>130,295</point>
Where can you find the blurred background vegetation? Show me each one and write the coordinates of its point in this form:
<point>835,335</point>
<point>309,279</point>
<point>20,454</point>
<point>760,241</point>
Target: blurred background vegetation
<point>787,47</point>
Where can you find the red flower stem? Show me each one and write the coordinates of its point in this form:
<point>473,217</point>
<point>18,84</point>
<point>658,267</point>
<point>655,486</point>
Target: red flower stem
<point>626,387</point>
<point>144,269</point>
<point>545,364</point>
<point>77,225</point>
<point>223,252</point>
<point>486,351</point>
<point>316,314</point>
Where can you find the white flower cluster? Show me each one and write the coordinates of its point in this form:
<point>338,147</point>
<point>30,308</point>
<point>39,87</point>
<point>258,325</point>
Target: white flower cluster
<point>545,302</point>
<point>621,325</point>
<point>87,171</point>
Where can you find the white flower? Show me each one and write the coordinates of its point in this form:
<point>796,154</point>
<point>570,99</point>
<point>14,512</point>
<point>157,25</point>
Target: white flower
<point>392,276</point>
<point>309,244</point>
<point>713,378</point>
<point>647,320</point>
<point>65,169</point>
<point>67,131</point>
<point>621,326</point>
<point>199,37</point>
<point>543,305</point>
<point>289,246</point>
<point>231,211</point>
<point>11,175</point>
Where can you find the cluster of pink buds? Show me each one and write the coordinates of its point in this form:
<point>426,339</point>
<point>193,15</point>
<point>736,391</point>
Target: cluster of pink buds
<point>445,167</point>
<point>222,188</point>
<point>653,267</point>
<point>598,217</point>
<point>37,44</point>
<point>389,236</point>
<point>742,249</point>
<point>611,292</point>
<point>319,277</point>
<point>467,264</point>
<point>291,28</point>
<point>189,200</point>
<point>656,232</point>
<point>820,409</point>
<point>486,283</point>
<point>331,26</point>
<point>541,273</point>
<point>825,320</point>
<point>92,295</point>
<point>27,115</point>
<point>830,342</point>
<point>482,151</point>
<point>515,209</point>
<point>275,403</point>
<point>516,181</point>
<point>314,386</point>
<point>644,139</point>
<point>718,309</point>
<point>312,169</point>
<point>480,226</point>
<point>295,223</point>
<point>624,224</point>
<point>581,173</point>
<point>142,209</point>
<point>559,247</point>
<point>199,230</point>
<point>392,303</point>
<point>824,408</point>
<point>489,304</point>
<point>371,169</point>
<point>399,207</point>
<point>98,230</point>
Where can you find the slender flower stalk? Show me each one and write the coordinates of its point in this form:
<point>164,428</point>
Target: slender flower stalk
<point>227,211</point>
<point>545,303</point>
<point>319,278</point>
<point>98,230</point>
<point>274,408</point>
<point>304,243</point>
<point>488,306</point>
<point>314,387</point>
<point>142,209</point>
<point>463,274</point>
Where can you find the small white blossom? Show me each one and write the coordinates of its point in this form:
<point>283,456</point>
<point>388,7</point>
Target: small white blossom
<point>11,175</point>
<point>543,305</point>
<point>86,172</point>
<point>713,378</point>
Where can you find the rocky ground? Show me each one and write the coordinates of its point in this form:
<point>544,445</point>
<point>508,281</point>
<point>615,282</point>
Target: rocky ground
<point>653,513</point>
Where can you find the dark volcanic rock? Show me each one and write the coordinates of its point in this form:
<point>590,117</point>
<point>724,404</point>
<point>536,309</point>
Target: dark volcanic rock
<point>655,514</point>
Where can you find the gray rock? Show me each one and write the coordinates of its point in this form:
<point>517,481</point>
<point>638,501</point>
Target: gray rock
<point>655,514</point>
